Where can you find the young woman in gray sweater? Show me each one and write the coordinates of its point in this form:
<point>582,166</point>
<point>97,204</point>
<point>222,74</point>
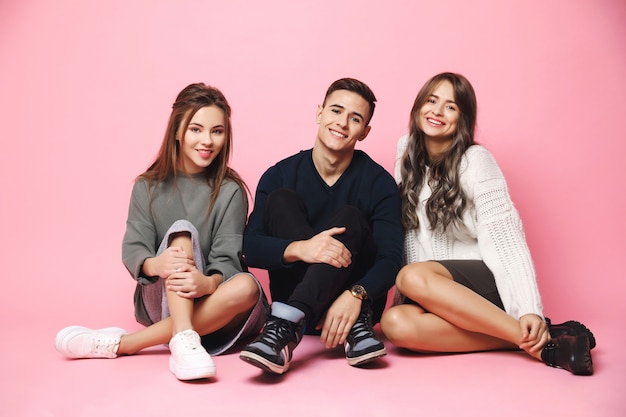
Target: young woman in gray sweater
<point>183,245</point>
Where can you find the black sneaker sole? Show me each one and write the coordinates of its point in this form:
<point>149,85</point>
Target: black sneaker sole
<point>583,364</point>
<point>263,363</point>
<point>367,358</point>
<point>581,328</point>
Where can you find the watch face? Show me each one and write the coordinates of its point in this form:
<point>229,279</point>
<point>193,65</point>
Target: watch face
<point>359,292</point>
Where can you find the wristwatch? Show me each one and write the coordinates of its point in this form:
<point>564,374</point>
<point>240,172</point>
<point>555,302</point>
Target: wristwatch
<point>359,292</point>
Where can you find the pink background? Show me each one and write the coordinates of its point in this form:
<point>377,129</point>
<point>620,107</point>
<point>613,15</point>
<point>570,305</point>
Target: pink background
<point>86,89</point>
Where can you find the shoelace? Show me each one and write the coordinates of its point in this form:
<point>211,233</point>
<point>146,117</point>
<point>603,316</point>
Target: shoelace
<point>549,353</point>
<point>104,345</point>
<point>274,331</point>
<point>189,341</point>
<point>361,329</point>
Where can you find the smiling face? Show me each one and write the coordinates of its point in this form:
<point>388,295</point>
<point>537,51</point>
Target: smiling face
<point>342,121</point>
<point>439,115</point>
<point>202,140</point>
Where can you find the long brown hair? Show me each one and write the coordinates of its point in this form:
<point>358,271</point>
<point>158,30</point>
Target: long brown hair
<point>191,99</point>
<point>447,201</point>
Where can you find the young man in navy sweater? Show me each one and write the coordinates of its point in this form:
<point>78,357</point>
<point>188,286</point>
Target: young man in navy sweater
<point>326,225</point>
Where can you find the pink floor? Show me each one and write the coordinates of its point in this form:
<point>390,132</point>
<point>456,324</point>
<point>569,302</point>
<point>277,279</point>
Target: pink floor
<point>37,381</point>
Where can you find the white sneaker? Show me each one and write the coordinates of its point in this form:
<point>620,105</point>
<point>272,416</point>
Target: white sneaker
<point>81,342</point>
<point>189,360</point>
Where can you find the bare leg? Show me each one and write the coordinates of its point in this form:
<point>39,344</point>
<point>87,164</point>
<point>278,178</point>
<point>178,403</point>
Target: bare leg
<point>410,327</point>
<point>227,307</point>
<point>181,309</point>
<point>453,318</point>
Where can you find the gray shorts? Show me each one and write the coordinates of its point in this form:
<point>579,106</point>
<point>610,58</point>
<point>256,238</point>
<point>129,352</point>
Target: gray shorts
<point>470,273</point>
<point>151,301</point>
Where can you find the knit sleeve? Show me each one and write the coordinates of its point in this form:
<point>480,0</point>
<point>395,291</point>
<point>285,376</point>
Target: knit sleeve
<point>411,253</point>
<point>140,238</point>
<point>500,235</point>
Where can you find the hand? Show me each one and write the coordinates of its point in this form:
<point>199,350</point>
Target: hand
<point>535,333</point>
<point>339,319</point>
<point>168,262</point>
<point>321,248</point>
<point>188,282</point>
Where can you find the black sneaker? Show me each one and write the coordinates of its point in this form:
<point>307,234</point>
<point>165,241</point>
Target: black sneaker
<point>362,334</point>
<point>272,350</point>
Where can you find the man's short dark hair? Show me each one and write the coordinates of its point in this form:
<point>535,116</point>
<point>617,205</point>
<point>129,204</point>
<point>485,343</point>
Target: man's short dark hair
<point>355,86</point>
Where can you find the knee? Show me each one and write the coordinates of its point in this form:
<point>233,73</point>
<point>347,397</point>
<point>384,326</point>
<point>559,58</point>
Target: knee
<point>394,325</point>
<point>413,279</point>
<point>243,290</point>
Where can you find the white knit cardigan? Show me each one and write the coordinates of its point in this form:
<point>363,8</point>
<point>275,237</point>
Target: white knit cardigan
<point>492,231</point>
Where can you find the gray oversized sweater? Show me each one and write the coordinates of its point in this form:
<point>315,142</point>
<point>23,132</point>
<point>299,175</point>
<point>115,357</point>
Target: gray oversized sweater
<point>221,230</point>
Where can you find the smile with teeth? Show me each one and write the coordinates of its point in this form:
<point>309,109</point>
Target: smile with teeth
<point>338,134</point>
<point>434,121</point>
<point>205,153</point>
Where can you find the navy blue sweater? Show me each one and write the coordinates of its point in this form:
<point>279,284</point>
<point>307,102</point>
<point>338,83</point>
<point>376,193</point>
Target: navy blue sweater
<point>365,185</point>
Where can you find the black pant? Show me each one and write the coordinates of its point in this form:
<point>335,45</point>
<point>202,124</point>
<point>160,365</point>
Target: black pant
<point>312,288</point>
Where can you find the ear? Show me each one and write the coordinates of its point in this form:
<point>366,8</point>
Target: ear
<point>366,132</point>
<point>318,114</point>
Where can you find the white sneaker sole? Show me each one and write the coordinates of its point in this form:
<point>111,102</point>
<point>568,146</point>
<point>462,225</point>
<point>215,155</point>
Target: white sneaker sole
<point>363,359</point>
<point>187,374</point>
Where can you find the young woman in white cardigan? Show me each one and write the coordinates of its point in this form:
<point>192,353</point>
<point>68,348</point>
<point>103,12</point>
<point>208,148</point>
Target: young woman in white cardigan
<point>469,282</point>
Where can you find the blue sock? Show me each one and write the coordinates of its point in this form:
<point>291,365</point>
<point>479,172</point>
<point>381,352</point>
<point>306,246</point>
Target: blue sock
<point>287,312</point>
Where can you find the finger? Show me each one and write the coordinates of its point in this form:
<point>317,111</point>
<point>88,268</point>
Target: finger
<point>344,254</point>
<point>331,340</point>
<point>328,332</point>
<point>538,345</point>
<point>334,334</point>
<point>174,273</point>
<point>180,257</point>
<point>176,279</point>
<point>334,231</point>
<point>342,334</point>
<point>326,324</point>
<point>534,332</point>
<point>345,259</point>
<point>183,267</point>
<point>174,250</point>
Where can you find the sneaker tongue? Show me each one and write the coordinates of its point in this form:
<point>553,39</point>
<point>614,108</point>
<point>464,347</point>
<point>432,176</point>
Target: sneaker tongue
<point>189,340</point>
